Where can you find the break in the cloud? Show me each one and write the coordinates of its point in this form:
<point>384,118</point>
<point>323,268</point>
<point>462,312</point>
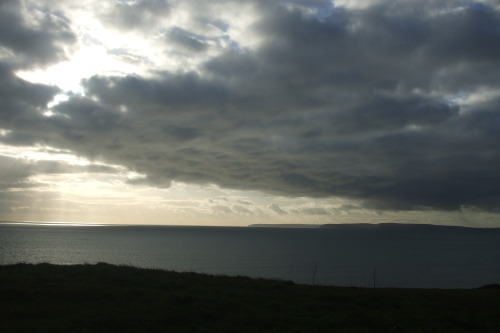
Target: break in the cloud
<point>378,107</point>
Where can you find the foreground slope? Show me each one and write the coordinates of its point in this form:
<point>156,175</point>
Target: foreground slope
<point>107,298</point>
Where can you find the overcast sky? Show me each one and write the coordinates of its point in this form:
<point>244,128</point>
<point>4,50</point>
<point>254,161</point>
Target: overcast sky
<point>252,111</point>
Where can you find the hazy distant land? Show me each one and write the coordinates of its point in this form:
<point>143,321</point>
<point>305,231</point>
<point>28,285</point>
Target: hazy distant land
<point>290,225</point>
<point>106,298</point>
<point>365,226</point>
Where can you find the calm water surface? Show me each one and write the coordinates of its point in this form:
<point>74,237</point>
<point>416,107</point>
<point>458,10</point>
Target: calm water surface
<point>389,258</point>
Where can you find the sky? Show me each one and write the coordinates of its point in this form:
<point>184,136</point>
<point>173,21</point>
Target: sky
<point>252,111</point>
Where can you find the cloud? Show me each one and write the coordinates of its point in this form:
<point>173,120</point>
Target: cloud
<point>19,90</point>
<point>33,36</point>
<point>314,211</point>
<point>277,209</point>
<point>187,41</point>
<point>134,15</point>
<point>17,172</point>
<point>21,102</point>
<point>382,103</point>
<point>242,210</point>
<point>221,210</point>
<point>14,173</point>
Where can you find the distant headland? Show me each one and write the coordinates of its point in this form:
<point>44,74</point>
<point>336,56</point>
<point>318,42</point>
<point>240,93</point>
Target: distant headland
<point>374,226</point>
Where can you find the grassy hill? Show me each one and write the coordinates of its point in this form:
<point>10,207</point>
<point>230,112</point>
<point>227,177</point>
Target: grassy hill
<point>107,298</point>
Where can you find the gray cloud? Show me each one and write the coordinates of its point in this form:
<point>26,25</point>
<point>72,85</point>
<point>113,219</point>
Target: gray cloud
<point>135,15</point>
<point>18,182</point>
<point>357,103</point>
<point>242,210</point>
<point>27,42</point>
<point>20,101</point>
<point>277,209</point>
<point>41,40</point>
<point>314,211</point>
<point>16,173</point>
<point>187,41</point>
<point>221,210</point>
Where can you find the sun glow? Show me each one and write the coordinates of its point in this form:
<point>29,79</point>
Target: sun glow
<point>43,153</point>
<point>90,60</point>
<point>100,51</point>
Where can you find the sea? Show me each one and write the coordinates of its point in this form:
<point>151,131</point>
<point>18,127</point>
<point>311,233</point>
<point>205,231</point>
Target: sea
<point>383,256</point>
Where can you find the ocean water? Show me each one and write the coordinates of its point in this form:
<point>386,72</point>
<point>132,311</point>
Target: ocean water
<point>413,257</point>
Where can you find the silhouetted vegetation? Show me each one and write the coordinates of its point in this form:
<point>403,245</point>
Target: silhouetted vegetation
<point>106,298</point>
<point>490,286</point>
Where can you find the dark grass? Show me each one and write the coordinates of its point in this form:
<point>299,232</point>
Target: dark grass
<point>107,298</point>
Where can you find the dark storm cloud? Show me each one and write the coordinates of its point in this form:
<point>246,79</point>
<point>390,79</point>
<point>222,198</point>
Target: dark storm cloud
<point>358,103</point>
<point>38,41</point>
